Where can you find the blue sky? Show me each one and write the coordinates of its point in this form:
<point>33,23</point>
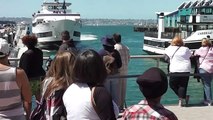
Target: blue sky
<point>117,9</point>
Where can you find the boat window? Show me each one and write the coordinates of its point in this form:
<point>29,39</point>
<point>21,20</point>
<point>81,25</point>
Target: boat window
<point>156,44</point>
<point>208,10</point>
<point>76,33</point>
<point>45,34</point>
<point>203,10</point>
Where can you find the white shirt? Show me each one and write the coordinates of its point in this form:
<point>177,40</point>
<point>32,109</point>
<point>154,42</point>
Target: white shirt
<point>77,100</point>
<point>181,59</point>
<point>125,56</point>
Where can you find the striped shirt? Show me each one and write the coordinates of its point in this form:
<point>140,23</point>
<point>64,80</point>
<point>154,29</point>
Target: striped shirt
<point>11,106</point>
<point>143,111</point>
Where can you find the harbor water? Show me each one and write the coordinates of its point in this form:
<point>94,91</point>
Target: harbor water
<point>134,40</point>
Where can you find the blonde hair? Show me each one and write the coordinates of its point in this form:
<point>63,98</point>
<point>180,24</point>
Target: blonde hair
<point>177,41</point>
<point>61,70</point>
<point>206,42</point>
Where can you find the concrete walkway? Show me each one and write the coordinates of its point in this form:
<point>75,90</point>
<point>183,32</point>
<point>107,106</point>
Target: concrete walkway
<point>192,112</point>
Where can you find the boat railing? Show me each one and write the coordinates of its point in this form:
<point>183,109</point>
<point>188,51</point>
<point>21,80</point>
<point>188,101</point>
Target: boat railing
<point>165,35</point>
<point>151,34</point>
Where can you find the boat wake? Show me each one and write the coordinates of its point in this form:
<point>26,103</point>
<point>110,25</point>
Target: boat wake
<point>87,37</point>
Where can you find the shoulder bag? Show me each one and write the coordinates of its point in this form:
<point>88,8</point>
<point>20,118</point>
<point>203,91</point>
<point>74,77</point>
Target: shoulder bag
<point>196,71</point>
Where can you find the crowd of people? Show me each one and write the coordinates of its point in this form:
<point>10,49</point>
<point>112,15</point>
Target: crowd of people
<point>82,84</point>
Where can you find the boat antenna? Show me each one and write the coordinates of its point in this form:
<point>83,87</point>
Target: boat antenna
<point>64,6</point>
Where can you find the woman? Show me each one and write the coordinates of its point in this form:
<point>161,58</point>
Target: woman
<point>31,61</point>
<point>206,66</point>
<point>89,74</point>
<point>56,82</point>
<point>179,64</point>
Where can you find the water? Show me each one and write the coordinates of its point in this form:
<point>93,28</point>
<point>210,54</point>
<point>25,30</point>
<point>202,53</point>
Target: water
<point>134,40</point>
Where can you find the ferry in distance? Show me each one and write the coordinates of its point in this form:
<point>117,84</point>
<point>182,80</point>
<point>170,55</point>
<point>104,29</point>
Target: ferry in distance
<point>53,18</point>
<point>193,21</point>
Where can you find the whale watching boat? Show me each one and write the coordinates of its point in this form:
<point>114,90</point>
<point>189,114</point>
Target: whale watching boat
<point>53,18</point>
<point>193,20</point>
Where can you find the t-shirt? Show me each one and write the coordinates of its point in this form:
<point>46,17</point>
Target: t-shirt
<point>77,100</point>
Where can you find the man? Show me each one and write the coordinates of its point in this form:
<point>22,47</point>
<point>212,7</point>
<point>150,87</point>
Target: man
<point>111,84</point>
<point>31,62</point>
<point>67,43</point>
<point>15,97</point>
<point>153,84</point>
<point>125,57</point>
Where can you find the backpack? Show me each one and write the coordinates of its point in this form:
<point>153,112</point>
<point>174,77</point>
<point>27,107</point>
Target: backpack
<point>110,64</point>
<point>39,112</point>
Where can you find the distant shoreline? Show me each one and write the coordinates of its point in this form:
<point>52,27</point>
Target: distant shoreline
<point>93,22</point>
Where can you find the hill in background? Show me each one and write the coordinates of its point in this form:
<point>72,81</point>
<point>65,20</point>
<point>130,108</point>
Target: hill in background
<point>95,22</point>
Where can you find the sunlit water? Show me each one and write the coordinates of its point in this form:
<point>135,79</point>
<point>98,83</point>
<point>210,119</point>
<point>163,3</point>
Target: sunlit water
<point>91,39</point>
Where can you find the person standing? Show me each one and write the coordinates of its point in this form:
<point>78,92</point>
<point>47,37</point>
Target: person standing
<point>206,67</point>
<point>15,97</point>
<point>31,62</point>
<point>112,84</point>
<point>57,80</point>
<point>180,64</point>
<point>67,43</point>
<point>153,84</point>
<point>84,98</point>
<point>125,57</point>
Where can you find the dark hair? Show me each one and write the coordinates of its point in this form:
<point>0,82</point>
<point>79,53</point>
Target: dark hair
<point>117,37</point>
<point>30,41</point>
<point>65,35</point>
<point>89,68</point>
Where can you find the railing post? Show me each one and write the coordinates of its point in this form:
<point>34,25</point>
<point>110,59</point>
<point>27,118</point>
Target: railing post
<point>158,62</point>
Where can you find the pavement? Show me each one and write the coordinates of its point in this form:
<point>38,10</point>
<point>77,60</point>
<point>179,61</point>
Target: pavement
<point>192,112</point>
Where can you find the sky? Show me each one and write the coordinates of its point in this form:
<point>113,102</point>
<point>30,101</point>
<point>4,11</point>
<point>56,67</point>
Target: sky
<point>89,9</point>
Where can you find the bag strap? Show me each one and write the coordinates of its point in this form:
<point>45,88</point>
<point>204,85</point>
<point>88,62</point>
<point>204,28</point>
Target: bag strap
<point>175,52</point>
<point>205,56</point>
<point>93,100</point>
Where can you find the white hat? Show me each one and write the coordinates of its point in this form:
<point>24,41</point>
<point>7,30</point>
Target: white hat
<point>4,48</point>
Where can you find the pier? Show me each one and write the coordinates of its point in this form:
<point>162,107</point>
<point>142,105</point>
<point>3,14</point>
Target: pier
<point>194,111</point>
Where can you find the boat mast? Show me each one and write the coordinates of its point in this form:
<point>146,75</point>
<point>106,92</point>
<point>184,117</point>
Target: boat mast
<point>160,24</point>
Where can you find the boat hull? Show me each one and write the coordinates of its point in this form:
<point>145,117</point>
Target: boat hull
<point>49,33</point>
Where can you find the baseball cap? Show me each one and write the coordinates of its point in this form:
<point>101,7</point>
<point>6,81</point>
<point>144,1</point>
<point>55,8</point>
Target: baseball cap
<point>4,48</point>
<point>153,83</point>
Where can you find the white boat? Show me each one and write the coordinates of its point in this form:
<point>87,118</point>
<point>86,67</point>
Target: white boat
<point>53,18</point>
<point>192,21</point>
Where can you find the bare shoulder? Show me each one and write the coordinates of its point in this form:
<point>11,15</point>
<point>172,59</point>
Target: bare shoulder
<point>21,75</point>
<point>20,71</point>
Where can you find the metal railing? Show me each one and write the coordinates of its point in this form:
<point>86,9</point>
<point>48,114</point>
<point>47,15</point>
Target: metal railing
<point>155,57</point>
